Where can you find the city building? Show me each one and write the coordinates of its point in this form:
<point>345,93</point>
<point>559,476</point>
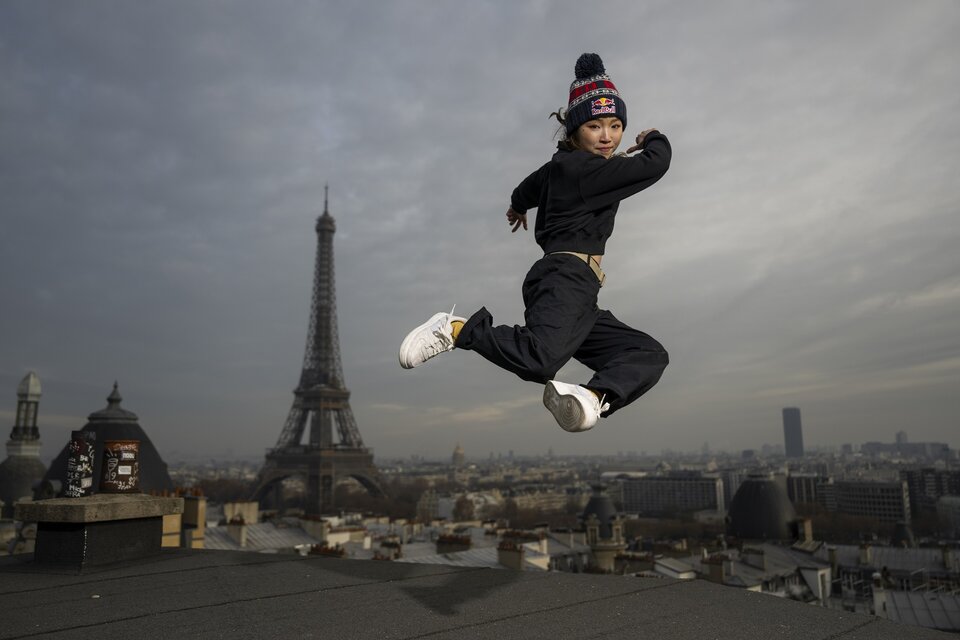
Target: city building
<point>802,488</point>
<point>918,450</point>
<point>792,433</point>
<point>898,569</point>
<point>786,572</point>
<point>241,530</point>
<point>808,488</point>
<point>675,492</point>
<point>928,484</point>
<point>886,501</point>
<point>919,609</point>
<point>948,513</point>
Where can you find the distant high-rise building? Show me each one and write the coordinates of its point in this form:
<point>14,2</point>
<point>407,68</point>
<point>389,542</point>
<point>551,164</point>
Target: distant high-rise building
<point>459,456</point>
<point>792,433</point>
<point>901,437</point>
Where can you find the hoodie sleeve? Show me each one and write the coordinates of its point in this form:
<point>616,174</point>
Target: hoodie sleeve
<point>604,182</point>
<point>527,194</point>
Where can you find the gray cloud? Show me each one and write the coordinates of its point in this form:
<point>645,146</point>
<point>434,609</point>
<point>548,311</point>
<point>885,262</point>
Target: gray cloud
<point>161,166</point>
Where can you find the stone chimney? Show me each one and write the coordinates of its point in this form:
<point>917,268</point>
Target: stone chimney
<point>315,527</point>
<point>391,548</point>
<point>806,529</point>
<point>237,530</point>
<point>879,597</point>
<point>510,555</point>
<point>718,568</point>
<point>866,555</point>
<point>248,511</point>
<point>194,522</point>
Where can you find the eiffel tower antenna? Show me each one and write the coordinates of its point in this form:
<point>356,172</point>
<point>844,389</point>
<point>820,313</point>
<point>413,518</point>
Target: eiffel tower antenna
<point>321,401</point>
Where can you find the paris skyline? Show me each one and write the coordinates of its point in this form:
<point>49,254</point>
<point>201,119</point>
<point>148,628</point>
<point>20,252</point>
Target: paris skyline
<point>162,167</point>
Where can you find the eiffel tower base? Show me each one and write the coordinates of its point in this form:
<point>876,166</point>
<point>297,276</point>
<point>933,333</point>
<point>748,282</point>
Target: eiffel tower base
<point>322,467</point>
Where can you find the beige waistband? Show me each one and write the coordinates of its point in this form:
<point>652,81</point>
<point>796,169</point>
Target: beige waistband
<point>591,262</point>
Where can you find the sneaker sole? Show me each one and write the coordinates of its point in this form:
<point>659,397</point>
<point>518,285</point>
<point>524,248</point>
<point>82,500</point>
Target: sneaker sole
<point>565,408</point>
<point>404,356</point>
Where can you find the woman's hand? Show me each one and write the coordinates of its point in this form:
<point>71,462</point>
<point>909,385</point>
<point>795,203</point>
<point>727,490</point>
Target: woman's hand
<point>640,138</point>
<point>516,219</point>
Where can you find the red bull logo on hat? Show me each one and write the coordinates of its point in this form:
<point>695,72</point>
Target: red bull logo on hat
<point>602,106</point>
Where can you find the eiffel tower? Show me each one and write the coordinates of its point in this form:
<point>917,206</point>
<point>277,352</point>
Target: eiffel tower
<point>322,401</point>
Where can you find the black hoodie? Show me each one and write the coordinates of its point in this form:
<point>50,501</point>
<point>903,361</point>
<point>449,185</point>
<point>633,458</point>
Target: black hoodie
<point>577,193</point>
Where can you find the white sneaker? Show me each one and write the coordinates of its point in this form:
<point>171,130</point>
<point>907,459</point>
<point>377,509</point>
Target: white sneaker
<point>576,408</point>
<point>433,337</point>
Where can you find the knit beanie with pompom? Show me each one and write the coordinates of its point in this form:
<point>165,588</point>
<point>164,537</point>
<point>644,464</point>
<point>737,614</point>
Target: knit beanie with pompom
<point>592,95</point>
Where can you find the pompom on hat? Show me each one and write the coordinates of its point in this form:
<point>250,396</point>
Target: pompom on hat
<point>592,95</point>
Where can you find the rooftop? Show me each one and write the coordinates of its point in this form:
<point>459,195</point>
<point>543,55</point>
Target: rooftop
<point>230,594</point>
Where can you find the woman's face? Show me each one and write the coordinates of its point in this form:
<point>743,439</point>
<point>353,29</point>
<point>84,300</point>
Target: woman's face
<point>600,136</point>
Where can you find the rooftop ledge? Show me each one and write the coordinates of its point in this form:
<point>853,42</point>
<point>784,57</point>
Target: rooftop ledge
<point>100,507</point>
<point>192,593</point>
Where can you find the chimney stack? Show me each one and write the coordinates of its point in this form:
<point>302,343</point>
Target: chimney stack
<point>510,555</point>
<point>879,597</point>
<point>755,557</point>
<point>237,530</point>
<point>807,526</point>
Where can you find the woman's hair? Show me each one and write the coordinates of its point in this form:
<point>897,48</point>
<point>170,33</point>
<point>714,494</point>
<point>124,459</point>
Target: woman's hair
<point>567,141</point>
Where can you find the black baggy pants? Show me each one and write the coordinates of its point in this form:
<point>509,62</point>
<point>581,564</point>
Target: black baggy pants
<point>562,322</point>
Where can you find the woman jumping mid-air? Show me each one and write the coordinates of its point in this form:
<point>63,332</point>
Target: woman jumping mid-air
<point>576,194</point>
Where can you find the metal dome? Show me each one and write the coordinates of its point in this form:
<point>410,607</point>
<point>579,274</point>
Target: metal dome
<point>115,423</point>
<point>601,506</point>
<point>761,510</point>
<point>113,412</point>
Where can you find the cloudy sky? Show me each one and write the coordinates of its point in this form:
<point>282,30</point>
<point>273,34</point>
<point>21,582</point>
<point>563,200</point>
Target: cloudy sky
<point>162,165</point>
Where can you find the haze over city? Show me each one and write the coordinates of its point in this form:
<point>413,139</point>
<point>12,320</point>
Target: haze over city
<point>162,166</point>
